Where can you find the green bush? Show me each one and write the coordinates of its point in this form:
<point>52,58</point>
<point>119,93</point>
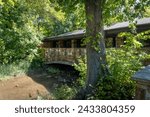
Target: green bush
<point>14,69</point>
<point>122,64</point>
<point>118,85</point>
<point>19,39</point>
<point>53,71</point>
<point>64,92</point>
<point>38,60</point>
<point>81,67</point>
<point>20,67</point>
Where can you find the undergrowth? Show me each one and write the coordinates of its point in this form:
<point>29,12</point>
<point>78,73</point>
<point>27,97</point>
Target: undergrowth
<point>14,69</point>
<point>117,85</point>
<point>20,67</point>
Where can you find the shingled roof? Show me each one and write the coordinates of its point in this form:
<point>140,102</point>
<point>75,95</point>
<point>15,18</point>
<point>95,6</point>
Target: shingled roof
<point>126,24</point>
<point>142,25</point>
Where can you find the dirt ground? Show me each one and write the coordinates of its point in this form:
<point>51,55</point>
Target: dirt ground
<point>26,87</point>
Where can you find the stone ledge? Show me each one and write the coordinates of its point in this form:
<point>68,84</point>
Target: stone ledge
<point>143,74</point>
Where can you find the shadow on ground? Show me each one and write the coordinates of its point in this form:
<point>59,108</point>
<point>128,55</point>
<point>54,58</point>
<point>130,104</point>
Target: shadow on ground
<point>50,79</point>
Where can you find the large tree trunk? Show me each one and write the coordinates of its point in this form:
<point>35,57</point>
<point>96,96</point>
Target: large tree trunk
<point>96,55</point>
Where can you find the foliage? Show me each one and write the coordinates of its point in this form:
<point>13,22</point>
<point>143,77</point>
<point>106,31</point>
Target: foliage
<point>38,60</point>
<point>147,12</point>
<point>22,23</point>
<point>118,85</point>
<point>120,10</point>
<point>19,34</point>
<point>64,92</point>
<point>53,71</point>
<point>82,68</point>
<point>22,66</point>
<point>14,69</point>
<point>71,21</point>
<point>18,37</point>
<point>123,63</point>
<point>46,18</point>
<point>50,20</point>
<point>133,40</point>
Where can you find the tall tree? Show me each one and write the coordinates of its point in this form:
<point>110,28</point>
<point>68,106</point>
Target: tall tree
<point>96,57</point>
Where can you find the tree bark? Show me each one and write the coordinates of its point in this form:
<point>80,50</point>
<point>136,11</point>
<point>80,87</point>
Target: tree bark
<point>96,59</point>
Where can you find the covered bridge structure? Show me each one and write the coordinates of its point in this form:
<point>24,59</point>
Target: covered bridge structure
<point>67,47</point>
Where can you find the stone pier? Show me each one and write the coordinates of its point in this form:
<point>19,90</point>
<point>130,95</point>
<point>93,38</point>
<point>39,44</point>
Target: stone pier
<point>142,79</point>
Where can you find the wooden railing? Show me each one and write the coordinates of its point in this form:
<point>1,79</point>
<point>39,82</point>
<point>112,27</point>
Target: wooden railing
<point>70,55</point>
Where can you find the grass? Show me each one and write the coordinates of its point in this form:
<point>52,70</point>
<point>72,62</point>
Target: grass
<point>14,69</point>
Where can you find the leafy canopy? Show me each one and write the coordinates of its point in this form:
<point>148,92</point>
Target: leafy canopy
<point>113,10</point>
<point>22,24</point>
<point>18,36</point>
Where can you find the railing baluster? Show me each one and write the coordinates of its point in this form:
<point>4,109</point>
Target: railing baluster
<point>63,54</point>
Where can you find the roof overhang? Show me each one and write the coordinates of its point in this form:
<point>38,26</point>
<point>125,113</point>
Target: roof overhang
<point>111,31</point>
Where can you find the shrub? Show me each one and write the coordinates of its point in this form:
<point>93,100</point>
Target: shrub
<point>118,85</point>
<point>53,71</point>
<point>81,67</point>
<point>38,60</point>
<point>19,38</point>
<point>64,92</point>
<point>122,63</point>
<point>14,69</point>
<point>21,66</point>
